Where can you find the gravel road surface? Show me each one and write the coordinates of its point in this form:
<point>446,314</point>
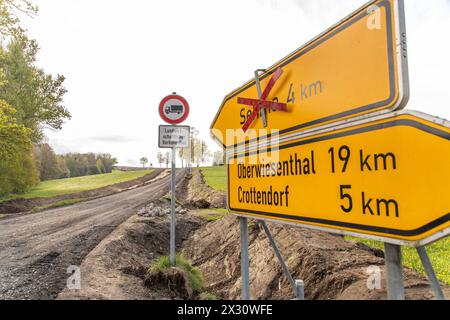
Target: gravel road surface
<point>37,249</point>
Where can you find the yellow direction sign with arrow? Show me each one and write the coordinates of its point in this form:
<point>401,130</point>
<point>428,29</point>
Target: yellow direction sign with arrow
<point>386,178</point>
<point>359,66</point>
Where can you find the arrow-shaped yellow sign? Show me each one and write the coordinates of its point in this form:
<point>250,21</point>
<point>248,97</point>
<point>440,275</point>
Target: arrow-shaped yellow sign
<point>387,178</point>
<point>358,66</point>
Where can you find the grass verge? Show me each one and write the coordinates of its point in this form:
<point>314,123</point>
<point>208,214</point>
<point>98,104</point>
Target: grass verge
<point>193,274</point>
<point>212,215</point>
<point>439,253</point>
<point>215,177</point>
<point>57,204</point>
<point>208,296</point>
<point>53,188</point>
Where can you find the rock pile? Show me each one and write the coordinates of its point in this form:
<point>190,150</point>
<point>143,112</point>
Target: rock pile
<point>153,210</point>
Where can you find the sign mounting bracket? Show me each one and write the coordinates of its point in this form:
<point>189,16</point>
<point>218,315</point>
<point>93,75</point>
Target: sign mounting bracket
<point>258,88</point>
<point>260,104</point>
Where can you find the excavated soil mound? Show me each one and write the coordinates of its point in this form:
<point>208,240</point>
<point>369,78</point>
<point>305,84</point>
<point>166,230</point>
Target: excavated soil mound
<point>21,205</point>
<point>174,280</point>
<point>331,267</point>
<point>117,267</point>
<point>195,193</point>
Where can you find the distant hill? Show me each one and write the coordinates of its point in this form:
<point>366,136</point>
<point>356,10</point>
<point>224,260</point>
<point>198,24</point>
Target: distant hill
<point>123,168</point>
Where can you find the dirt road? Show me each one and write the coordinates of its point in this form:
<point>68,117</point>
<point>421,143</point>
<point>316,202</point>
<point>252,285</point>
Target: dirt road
<point>37,249</point>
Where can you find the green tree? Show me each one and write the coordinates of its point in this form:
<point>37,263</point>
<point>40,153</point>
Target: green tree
<point>73,165</point>
<point>30,100</point>
<point>89,163</point>
<point>93,170</point>
<point>108,162</point>
<point>37,96</point>
<point>17,170</point>
<point>46,162</point>
<point>100,166</point>
<point>9,21</point>
<point>64,171</point>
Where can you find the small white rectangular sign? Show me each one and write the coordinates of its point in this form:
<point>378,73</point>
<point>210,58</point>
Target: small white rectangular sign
<point>174,136</point>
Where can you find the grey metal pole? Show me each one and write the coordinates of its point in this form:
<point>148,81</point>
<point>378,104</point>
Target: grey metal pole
<point>172,212</point>
<point>299,290</point>
<point>434,282</point>
<point>245,267</point>
<point>279,256</point>
<point>393,256</point>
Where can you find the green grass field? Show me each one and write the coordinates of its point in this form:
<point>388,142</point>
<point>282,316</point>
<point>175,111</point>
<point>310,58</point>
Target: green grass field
<point>216,177</point>
<point>60,187</point>
<point>439,253</point>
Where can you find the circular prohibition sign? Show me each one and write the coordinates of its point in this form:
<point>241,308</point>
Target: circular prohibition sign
<point>174,109</point>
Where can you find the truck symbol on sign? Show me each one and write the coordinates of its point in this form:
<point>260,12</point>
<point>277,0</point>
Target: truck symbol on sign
<point>177,109</point>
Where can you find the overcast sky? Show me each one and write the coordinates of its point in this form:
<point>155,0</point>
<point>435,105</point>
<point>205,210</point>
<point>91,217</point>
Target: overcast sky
<point>121,58</point>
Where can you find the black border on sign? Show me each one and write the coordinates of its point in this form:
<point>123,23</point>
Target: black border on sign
<point>302,51</point>
<point>172,126</point>
<point>355,227</point>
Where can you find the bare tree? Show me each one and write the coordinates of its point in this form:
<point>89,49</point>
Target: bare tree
<point>182,152</point>
<point>218,158</point>
<point>167,158</point>
<point>143,161</point>
<point>160,158</point>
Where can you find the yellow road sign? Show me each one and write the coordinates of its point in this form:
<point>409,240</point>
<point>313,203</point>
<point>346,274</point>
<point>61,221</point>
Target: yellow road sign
<point>387,178</point>
<point>358,66</point>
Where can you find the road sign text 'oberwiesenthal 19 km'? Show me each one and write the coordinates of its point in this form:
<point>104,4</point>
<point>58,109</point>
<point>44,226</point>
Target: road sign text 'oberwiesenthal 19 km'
<point>356,67</point>
<point>336,154</point>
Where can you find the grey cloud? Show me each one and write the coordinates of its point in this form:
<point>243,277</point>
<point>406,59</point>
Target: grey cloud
<point>111,138</point>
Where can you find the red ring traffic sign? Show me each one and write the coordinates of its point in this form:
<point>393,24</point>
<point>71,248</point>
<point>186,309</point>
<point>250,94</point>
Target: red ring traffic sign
<point>174,109</point>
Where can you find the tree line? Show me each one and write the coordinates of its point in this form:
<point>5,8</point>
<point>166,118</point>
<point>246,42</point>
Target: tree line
<point>31,101</point>
<point>52,166</point>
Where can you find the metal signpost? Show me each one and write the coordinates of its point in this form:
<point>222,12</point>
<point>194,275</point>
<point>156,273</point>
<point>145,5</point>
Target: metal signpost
<point>173,109</point>
<point>340,158</point>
